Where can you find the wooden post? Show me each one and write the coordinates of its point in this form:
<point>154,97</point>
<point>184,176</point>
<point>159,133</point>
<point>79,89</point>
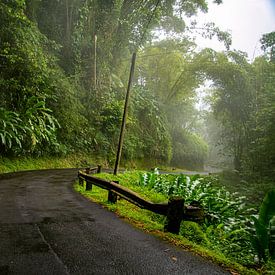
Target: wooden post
<point>119,149</point>
<point>98,169</point>
<point>112,197</point>
<point>89,185</point>
<point>194,212</point>
<point>81,181</point>
<point>95,75</point>
<point>88,170</point>
<point>174,215</point>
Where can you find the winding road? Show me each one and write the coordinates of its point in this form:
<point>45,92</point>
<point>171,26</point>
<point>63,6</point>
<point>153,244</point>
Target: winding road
<point>47,228</point>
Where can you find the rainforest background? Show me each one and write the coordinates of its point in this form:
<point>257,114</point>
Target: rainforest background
<point>53,103</point>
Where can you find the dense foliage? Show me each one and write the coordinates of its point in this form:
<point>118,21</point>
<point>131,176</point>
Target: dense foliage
<point>58,97</point>
<point>64,72</point>
<point>242,101</point>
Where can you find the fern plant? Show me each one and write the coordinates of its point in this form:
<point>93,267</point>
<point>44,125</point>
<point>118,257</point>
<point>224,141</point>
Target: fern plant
<point>11,129</point>
<point>40,120</point>
<point>34,126</point>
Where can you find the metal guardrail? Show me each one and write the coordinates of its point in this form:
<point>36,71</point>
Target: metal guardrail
<point>174,210</point>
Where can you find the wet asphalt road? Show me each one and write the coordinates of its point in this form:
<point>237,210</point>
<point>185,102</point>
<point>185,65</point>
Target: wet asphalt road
<point>47,228</point>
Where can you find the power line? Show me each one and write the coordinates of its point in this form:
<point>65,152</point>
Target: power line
<point>148,24</point>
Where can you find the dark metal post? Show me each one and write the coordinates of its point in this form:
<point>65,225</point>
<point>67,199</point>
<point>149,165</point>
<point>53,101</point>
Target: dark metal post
<point>119,149</point>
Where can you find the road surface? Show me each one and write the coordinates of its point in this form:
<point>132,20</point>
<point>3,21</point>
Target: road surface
<point>47,228</point>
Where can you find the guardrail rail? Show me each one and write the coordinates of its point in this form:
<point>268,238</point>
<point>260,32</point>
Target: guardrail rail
<point>174,210</point>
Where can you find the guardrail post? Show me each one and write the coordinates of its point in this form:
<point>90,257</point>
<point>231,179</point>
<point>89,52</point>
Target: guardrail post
<point>81,181</point>
<point>98,169</point>
<point>112,197</point>
<point>194,212</point>
<point>88,170</point>
<point>89,185</point>
<point>174,215</point>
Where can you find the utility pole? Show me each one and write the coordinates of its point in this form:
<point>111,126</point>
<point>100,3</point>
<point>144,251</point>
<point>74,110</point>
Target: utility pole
<point>121,137</point>
<point>95,41</point>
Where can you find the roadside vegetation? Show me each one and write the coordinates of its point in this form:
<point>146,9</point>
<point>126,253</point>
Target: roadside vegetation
<point>228,233</point>
<point>22,163</point>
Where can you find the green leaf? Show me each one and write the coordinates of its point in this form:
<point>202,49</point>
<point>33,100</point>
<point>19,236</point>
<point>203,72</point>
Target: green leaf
<point>267,209</point>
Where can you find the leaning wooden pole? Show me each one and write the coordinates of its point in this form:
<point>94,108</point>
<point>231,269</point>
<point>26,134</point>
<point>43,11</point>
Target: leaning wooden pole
<point>95,73</point>
<point>120,143</point>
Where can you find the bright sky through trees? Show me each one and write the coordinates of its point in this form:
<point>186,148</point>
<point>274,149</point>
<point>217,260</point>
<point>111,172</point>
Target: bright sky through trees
<point>247,21</point>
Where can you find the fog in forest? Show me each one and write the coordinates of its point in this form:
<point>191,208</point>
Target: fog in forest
<point>64,72</point>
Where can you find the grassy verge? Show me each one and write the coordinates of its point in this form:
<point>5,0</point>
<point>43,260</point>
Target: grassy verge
<point>74,160</point>
<point>24,163</point>
<point>154,223</point>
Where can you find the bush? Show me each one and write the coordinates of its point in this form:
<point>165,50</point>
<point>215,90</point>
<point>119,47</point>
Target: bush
<point>39,109</point>
<point>147,135</point>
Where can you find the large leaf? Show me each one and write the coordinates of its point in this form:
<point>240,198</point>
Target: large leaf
<point>260,242</point>
<point>263,241</point>
<point>267,209</point>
